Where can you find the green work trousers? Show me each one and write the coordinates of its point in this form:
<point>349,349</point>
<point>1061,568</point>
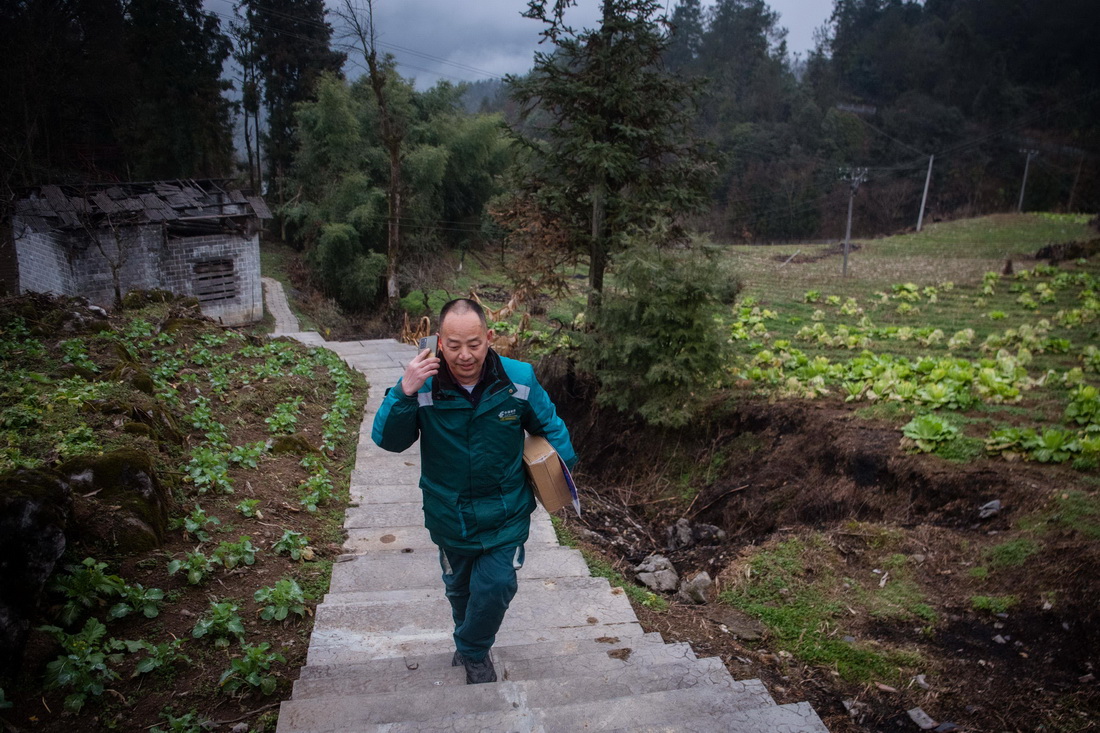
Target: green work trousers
<point>479,587</point>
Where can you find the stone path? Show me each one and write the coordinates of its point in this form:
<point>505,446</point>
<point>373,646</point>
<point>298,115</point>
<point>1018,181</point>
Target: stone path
<point>570,656</point>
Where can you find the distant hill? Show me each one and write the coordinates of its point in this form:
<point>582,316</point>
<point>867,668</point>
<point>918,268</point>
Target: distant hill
<point>488,95</point>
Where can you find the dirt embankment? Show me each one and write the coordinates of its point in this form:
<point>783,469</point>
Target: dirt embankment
<point>763,470</point>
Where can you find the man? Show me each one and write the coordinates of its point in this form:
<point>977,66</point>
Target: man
<point>470,410</point>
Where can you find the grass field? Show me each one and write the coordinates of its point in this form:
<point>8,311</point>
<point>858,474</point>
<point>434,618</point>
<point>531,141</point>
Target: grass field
<point>960,251</point>
<point>928,322</point>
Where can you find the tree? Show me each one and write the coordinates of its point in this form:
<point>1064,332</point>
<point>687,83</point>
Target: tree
<point>450,163</point>
<point>245,53</point>
<point>392,125</point>
<point>101,89</point>
<point>609,139</point>
<point>687,35</point>
<point>292,44</point>
<point>181,120</point>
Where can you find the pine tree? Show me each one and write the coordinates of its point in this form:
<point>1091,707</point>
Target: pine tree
<point>292,44</point>
<point>181,120</point>
<point>608,130</point>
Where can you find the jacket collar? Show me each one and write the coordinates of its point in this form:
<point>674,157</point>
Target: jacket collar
<point>493,379</point>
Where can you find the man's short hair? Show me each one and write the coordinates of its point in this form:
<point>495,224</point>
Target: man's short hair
<point>458,306</point>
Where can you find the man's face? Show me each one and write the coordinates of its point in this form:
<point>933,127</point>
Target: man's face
<point>464,342</point>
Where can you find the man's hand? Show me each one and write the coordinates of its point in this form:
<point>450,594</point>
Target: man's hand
<point>423,366</point>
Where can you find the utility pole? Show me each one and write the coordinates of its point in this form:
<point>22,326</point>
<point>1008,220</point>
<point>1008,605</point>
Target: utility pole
<point>924,198</point>
<point>854,176</point>
<point>1027,164</point>
<point>1076,178</point>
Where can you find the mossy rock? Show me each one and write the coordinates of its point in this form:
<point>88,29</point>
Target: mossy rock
<point>136,299</point>
<point>72,370</point>
<point>133,505</point>
<point>106,407</point>
<point>135,376</point>
<point>159,421</point>
<point>175,325</point>
<point>35,507</point>
<point>137,428</point>
<point>123,353</point>
<point>296,444</point>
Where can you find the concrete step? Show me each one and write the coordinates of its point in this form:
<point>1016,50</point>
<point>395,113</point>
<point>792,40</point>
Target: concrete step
<point>537,609</point>
<point>368,712</point>
<point>792,718</point>
<point>661,707</point>
<point>405,514</point>
<point>401,492</point>
<point>613,661</point>
<point>437,662</point>
<point>401,570</point>
<point>369,539</point>
<point>382,676</point>
<point>558,704</point>
<point>648,665</point>
<point>435,592</point>
<point>340,646</point>
<point>375,539</point>
<point>387,469</point>
<point>611,686</point>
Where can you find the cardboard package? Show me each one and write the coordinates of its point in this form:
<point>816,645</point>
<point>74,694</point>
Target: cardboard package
<point>554,486</point>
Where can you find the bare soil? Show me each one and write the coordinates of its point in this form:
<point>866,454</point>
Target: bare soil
<point>792,469</point>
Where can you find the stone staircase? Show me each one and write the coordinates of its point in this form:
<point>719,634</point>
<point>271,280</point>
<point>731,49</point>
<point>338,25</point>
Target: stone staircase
<point>570,656</point>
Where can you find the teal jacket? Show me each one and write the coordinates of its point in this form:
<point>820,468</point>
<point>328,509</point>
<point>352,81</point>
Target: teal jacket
<point>476,495</point>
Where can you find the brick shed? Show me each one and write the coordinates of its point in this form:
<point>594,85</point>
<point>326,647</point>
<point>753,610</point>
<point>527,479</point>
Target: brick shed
<point>195,238</point>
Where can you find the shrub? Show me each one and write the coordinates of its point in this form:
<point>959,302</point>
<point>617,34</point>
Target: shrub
<point>657,349</point>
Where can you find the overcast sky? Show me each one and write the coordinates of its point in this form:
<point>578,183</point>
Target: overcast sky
<point>467,40</point>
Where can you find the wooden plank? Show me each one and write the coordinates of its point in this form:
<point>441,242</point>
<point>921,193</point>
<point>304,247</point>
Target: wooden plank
<point>58,200</point>
<point>152,201</point>
<point>105,204</point>
<point>260,207</point>
<point>237,197</point>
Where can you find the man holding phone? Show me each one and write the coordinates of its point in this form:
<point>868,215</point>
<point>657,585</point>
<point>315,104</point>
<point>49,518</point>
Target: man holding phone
<point>470,410</point>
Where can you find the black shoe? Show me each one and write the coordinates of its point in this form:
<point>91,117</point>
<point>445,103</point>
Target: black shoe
<point>479,672</point>
<point>457,659</point>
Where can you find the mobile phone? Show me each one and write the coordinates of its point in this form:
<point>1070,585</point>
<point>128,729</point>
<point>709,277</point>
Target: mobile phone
<point>431,343</point>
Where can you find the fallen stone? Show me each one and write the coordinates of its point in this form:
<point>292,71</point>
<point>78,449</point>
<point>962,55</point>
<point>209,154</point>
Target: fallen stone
<point>989,509</point>
<point>708,534</point>
<point>588,535</point>
<point>657,573</point>
<point>685,534</point>
<point>921,718</point>
<point>857,710</point>
<point>679,534</point>
<point>696,589</point>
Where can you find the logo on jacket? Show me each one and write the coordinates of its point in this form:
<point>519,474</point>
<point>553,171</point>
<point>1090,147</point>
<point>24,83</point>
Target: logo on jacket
<point>507,415</point>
